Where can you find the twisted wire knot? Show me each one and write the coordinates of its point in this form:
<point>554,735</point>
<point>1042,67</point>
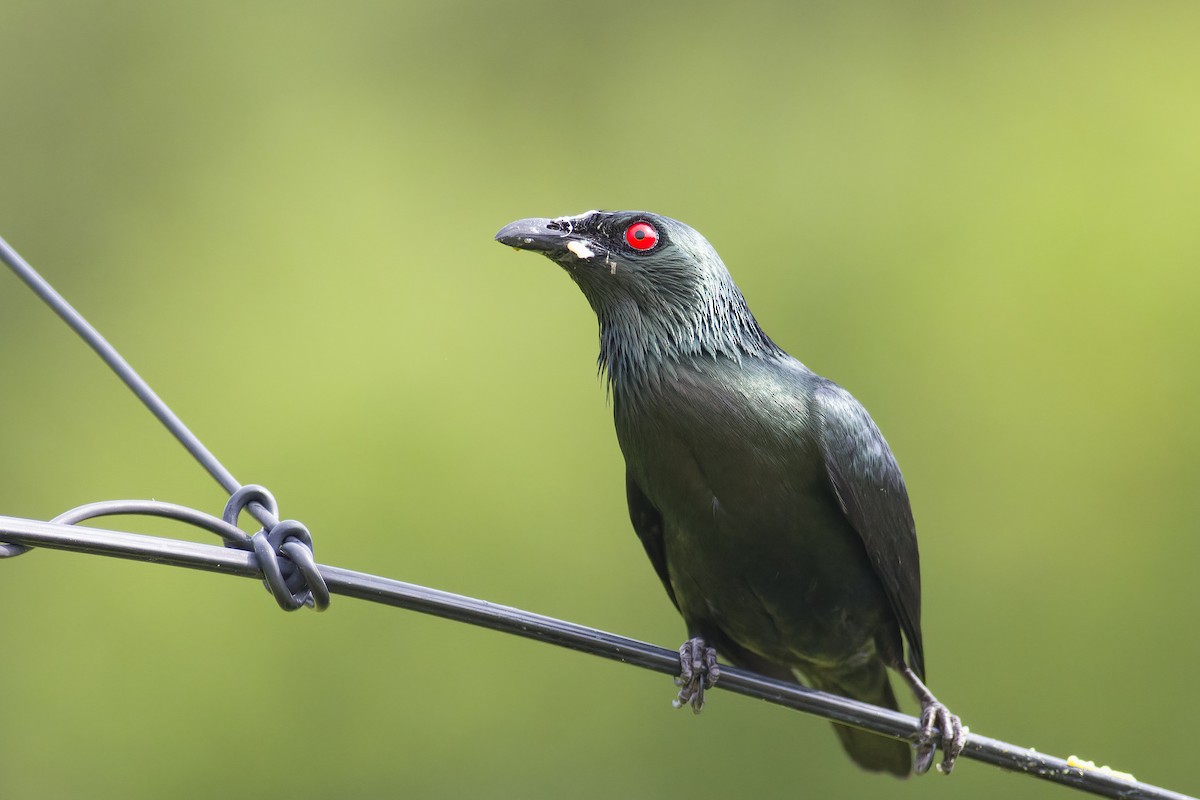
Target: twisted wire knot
<point>284,550</point>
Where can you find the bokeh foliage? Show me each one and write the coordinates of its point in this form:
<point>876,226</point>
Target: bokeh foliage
<point>979,218</point>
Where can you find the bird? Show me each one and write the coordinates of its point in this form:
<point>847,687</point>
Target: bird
<point>764,494</point>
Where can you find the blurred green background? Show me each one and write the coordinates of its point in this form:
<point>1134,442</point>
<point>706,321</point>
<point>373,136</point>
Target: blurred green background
<point>980,219</point>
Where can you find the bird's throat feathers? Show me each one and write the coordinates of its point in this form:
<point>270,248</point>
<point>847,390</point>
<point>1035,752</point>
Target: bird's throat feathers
<point>643,344</point>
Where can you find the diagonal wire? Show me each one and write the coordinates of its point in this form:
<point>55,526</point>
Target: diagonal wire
<point>42,288</point>
<point>515,621</point>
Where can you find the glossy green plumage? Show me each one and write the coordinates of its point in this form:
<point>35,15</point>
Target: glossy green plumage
<point>766,498</point>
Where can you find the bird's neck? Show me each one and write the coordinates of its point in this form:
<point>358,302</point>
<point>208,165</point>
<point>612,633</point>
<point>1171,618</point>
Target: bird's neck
<point>641,351</point>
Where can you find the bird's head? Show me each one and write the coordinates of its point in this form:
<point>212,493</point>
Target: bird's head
<point>659,289</point>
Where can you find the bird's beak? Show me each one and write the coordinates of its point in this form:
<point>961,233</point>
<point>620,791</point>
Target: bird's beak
<point>557,239</point>
<point>535,234</point>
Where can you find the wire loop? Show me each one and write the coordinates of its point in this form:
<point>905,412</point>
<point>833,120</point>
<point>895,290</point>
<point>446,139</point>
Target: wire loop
<point>243,497</point>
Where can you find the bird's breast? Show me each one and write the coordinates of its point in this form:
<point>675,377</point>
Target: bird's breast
<point>754,539</point>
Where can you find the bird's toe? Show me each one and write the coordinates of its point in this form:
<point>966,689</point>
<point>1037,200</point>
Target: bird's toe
<point>698,671</point>
<point>952,737</point>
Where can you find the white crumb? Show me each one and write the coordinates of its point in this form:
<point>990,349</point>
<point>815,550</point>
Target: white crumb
<point>580,249</point>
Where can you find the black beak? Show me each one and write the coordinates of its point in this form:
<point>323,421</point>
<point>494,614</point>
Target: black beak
<point>539,235</point>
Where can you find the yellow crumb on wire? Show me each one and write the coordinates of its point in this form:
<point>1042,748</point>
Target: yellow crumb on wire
<point>1079,763</point>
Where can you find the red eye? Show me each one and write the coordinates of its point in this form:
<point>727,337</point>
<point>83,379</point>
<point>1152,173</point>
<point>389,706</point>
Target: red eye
<point>641,236</point>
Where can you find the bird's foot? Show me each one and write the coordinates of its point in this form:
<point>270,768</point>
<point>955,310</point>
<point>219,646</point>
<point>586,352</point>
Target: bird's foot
<point>698,671</point>
<point>952,736</point>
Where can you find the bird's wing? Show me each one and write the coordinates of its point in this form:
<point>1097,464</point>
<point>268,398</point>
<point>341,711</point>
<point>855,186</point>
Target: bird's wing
<point>870,489</point>
<point>648,522</point>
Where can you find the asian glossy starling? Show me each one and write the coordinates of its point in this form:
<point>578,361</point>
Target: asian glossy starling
<point>764,495</point>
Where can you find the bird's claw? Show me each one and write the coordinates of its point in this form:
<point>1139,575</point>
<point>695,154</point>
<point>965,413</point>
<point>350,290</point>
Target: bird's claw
<point>698,671</point>
<point>952,737</point>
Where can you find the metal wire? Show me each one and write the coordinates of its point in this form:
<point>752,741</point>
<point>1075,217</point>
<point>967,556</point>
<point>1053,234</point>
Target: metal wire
<point>281,555</point>
<point>42,288</point>
<point>544,629</point>
<point>294,582</point>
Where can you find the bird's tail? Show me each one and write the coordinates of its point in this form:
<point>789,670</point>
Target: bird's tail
<point>869,684</point>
